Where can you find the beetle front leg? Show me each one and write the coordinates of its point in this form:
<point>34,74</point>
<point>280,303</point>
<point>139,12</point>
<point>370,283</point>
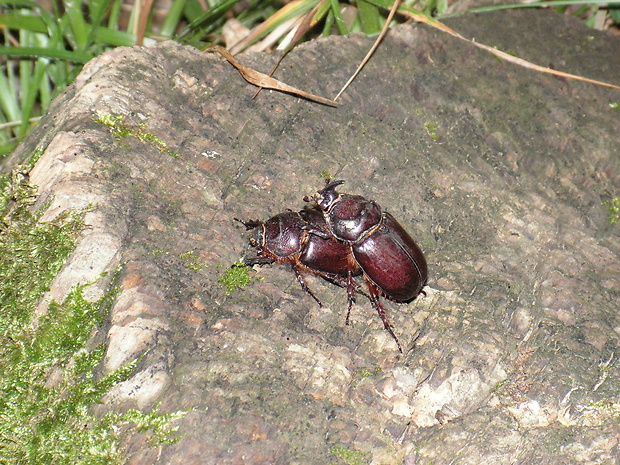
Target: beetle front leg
<point>374,298</point>
<point>317,232</point>
<point>258,261</point>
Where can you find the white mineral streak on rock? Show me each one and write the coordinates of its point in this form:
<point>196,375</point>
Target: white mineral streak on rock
<point>63,174</point>
<point>530,414</point>
<point>428,404</point>
<point>319,376</point>
<point>143,389</point>
<point>127,342</point>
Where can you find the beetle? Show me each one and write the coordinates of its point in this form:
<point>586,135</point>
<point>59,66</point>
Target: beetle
<point>286,238</point>
<point>392,264</point>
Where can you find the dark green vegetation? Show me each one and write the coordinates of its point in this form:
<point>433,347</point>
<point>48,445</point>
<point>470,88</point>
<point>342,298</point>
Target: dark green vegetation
<point>47,367</point>
<point>43,50</point>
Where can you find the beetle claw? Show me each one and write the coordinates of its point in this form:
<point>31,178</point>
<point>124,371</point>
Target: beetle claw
<point>304,286</point>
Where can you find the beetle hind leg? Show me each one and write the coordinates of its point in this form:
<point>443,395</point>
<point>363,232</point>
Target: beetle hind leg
<point>350,295</point>
<point>304,286</point>
<point>374,299</point>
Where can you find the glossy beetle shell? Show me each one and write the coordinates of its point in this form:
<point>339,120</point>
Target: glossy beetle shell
<point>281,236</point>
<point>386,253</point>
<point>325,255</point>
<point>392,264</point>
<point>392,260</point>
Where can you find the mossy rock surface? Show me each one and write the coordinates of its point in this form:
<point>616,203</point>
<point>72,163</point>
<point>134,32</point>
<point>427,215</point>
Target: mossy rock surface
<point>497,171</point>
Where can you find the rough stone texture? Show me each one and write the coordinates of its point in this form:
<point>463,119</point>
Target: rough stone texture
<point>497,171</point>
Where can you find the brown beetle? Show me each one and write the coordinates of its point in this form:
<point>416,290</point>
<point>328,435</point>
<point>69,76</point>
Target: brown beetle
<point>286,238</point>
<point>391,262</point>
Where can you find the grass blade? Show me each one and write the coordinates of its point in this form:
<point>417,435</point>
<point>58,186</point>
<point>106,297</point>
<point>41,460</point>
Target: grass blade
<point>41,52</point>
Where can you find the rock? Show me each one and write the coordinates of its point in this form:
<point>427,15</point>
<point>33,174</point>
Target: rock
<point>497,171</point>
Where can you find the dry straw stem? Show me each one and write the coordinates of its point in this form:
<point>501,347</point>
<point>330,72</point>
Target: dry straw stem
<point>498,53</point>
<point>372,49</point>
<point>266,81</point>
<point>308,22</point>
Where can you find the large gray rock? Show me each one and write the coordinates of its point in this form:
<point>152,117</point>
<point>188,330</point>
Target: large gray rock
<point>497,171</point>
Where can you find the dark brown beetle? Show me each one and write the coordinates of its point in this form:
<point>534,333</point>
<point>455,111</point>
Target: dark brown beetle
<point>392,263</point>
<point>285,238</point>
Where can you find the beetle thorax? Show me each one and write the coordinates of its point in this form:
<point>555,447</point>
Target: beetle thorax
<point>352,218</point>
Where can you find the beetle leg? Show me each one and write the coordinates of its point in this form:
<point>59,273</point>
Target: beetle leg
<point>317,232</point>
<point>350,294</point>
<point>347,283</point>
<point>374,298</point>
<point>304,286</point>
<point>258,261</point>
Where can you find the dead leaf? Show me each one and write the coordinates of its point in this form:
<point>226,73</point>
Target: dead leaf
<point>307,23</point>
<point>262,80</point>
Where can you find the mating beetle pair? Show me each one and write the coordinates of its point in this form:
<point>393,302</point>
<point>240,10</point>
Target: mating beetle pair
<point>349,236</point>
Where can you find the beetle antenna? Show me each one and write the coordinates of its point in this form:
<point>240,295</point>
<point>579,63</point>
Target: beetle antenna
<point>250,224</point>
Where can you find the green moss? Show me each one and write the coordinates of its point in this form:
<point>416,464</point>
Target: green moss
<point>120,130</point>
<point>159,252</point>
<point>431,128</point>
<point>235,276</point>
<point>192,261</point>
<point>498,387</point>
<point>366,373</point>
<point>33,252</point>
<point>348,456</point>
<point>47,370</point>
<point>614,210</point>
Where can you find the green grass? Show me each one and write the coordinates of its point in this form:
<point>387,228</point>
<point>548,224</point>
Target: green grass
<point>47,370</point>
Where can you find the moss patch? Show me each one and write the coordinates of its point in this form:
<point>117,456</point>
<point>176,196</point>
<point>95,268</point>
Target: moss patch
<point>235,277</point>
<point>348,456</point>
<point>47,370</point>
<point>192,261</point>
<point>614,210</point>
<point>120,130</point>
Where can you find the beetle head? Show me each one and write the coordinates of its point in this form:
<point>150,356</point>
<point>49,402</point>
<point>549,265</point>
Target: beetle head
<point>327,196</point>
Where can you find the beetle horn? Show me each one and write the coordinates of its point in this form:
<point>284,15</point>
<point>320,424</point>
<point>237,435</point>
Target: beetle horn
<point>331,186</point>
<point>326,197</point>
